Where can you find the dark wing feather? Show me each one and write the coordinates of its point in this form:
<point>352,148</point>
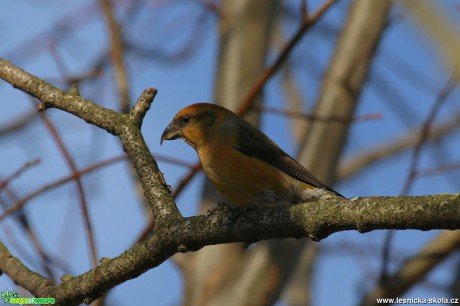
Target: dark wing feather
<point>254,143</point>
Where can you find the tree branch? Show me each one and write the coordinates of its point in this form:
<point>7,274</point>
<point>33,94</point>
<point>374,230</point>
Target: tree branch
<point>315,220</point>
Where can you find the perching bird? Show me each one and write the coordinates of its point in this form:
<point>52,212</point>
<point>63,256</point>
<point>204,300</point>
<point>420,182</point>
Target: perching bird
<point>246,166</point>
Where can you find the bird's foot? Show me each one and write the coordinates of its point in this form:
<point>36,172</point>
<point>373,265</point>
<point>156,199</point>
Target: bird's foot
<point>237,212</point>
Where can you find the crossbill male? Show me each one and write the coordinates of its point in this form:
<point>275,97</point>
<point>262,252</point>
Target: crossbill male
<point>244,164</point>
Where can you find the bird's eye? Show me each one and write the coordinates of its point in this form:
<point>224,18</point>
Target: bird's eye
<point>185,119</point>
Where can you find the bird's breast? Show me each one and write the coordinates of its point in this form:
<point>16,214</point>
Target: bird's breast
<point>246,180</point>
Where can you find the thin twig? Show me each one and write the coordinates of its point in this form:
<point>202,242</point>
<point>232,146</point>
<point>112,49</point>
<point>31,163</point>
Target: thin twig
<point>18,172</point>
<point>351,166</point>
<point>423,138</point>
<point>246,104</point>
<point>116,53</point>
<point>81,191</point>
<point>425,132</point>
<point>312,117</point>
<point>18,123</point>
<point>439,169</point>
<point>57,183</point>
<point>23,221</point>
<point>174,161</point>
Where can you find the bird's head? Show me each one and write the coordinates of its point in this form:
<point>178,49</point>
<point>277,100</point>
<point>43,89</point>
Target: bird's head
<point>195,123</point>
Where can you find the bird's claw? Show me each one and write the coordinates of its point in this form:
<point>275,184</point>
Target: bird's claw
<point>221,206</point>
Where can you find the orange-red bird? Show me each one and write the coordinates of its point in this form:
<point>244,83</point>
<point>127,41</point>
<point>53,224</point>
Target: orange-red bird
<point>244,164</point>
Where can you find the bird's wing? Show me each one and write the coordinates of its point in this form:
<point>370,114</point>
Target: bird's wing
<point>252,142</point>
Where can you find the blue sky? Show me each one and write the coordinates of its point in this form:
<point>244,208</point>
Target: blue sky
<point>403,100</point>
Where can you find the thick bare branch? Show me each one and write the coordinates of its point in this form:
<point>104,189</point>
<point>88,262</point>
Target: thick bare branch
<point>22,275</point>
<point>52,97</point>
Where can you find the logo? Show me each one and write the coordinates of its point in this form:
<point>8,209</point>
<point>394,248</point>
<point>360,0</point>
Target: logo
<point>12,297</point>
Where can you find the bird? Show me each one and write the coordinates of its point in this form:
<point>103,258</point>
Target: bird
<point>243,163</point>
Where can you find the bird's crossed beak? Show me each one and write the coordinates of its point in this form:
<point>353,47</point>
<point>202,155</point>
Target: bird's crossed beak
<point>171,132</point>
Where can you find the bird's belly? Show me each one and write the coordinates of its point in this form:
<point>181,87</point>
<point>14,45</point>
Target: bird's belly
<point>248,181</point>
